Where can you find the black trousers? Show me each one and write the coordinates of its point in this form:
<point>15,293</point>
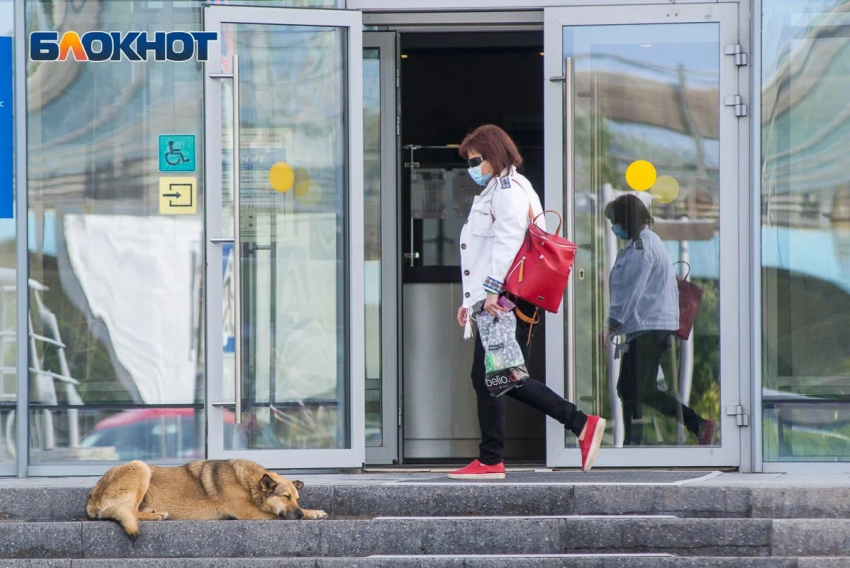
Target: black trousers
<point>491,410</point>
<point>637,386</point>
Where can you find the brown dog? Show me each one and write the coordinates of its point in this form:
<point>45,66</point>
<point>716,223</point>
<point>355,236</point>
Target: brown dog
<point>199,490</point>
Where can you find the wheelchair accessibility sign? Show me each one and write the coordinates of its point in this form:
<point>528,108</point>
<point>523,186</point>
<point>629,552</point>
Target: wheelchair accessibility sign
<point>177,195</point>
<point>177,152</point>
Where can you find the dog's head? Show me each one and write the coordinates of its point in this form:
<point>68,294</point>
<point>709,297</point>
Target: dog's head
<point>280,496</point>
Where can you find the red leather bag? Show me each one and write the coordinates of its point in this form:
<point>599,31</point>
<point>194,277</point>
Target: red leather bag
<point>690,298</point>
<point>541,268</point>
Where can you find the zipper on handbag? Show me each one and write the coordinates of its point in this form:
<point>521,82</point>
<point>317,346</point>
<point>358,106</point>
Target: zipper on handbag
<point>520,265</point>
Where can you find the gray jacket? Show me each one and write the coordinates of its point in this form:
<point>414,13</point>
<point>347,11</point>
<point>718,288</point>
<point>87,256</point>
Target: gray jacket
<point>644,293</point>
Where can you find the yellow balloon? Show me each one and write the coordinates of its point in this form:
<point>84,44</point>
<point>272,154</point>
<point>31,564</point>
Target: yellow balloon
<point>302,182</point>
<point>311,196</point>
<point>281,177</point>
<point>640,175</point>
<point>665,190</point>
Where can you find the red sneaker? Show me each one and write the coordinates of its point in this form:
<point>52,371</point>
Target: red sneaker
<point>707,432</point>
<point>477,470</point>
<point>589,441</point>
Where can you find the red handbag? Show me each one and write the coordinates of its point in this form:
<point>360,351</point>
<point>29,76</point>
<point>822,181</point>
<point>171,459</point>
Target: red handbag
<point>541,268</point>
<point>690,297</point>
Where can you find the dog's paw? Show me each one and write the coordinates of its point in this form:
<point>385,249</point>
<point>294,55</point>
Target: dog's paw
<point>162,516</point>
<point>315,514</point>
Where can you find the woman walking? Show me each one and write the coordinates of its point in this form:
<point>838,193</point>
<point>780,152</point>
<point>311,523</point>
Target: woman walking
<point>490,239</point>
<point>644,307</point>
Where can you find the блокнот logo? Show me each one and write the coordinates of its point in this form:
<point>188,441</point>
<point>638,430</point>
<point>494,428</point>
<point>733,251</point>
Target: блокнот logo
<point>115,46</point>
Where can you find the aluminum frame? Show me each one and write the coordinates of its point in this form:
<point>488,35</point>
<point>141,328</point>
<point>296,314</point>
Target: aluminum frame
<point>755,292</point>
<point>388,452</point>
<point>726,15</point>
<point>214,17</point>
<point>491,5</point>
<point>22,240</point>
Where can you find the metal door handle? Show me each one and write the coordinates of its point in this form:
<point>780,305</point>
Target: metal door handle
<point>237,244</point>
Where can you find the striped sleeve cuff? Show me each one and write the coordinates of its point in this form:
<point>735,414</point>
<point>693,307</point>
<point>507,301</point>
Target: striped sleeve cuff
<point>492,285</point>
<point>614,325</point>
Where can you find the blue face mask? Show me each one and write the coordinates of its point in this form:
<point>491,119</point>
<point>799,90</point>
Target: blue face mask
<point>619,231</point>
<point>477,176</point>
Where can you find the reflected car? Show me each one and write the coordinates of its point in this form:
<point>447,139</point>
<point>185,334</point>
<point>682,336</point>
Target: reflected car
<point>167,433</point>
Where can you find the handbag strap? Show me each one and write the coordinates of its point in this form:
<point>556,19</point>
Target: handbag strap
<point>560,221</point>
<point>685,263</point>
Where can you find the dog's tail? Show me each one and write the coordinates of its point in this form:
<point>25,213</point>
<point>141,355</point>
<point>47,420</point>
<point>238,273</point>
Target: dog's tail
<point>124,517</point>
<point>128,522</point>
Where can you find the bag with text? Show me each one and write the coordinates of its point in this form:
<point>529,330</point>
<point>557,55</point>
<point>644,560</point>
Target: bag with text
<point>504,363</point>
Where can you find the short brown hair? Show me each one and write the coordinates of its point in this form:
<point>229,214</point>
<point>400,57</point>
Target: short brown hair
<point>494,145</point>
<point>630,212</point>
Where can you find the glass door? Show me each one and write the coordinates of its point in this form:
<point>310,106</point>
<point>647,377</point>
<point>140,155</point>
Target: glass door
<point>637,101</point>
<point>284,229</point>
<point>380,246</point>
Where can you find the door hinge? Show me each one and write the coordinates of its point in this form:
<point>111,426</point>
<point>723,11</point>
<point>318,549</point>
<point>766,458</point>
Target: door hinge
<point>741,418</point>
<point>741,58</point>
<point>737,102</point>
<point>399,416</point>
<point>398,125</point>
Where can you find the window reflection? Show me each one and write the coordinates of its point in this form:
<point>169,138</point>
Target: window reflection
<point>805,237</point>
<point>372,224</point>
<point>8,277</point>
<point>117,287</point>
<point>648,95</point>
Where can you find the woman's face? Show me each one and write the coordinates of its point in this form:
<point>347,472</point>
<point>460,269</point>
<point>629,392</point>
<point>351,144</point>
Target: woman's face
<point>486,169</point>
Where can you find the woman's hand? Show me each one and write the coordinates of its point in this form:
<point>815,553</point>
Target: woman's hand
<point>491,305</point>
<point>462,314</point>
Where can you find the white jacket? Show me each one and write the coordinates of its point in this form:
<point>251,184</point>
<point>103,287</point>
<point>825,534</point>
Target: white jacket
<point>493,234</point>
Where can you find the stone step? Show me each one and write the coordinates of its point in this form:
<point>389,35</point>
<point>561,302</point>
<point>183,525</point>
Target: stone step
<point>696,501</point>
<point>406,536</point>
<point>561,561</point>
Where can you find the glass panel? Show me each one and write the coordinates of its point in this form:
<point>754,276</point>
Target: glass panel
<point>122,435</point>
<point>805,234</point>
<point>647,92</point>
<point>115,294</point>
<point>292,229</point>
<point>372,223</point>
<point>8,243</point>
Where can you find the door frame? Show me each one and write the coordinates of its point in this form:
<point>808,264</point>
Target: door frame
<point>353,456</point>
<point>388,452</point>
<point>734,285</point>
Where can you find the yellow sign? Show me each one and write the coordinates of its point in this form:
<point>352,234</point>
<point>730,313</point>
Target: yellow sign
<point>178,195</point>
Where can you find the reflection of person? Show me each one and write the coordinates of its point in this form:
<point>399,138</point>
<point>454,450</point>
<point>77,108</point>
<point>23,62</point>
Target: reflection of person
<point>490,239</point>
<point>645,308</point>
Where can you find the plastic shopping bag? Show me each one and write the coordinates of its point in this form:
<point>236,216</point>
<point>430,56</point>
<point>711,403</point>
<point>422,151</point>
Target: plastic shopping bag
<point>503,361</point>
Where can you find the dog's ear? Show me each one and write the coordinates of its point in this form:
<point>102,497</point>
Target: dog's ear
<point>267,483</point>
<point>298,484</point>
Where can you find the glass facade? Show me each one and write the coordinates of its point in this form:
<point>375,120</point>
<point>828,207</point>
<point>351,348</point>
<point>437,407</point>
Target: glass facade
<point>8,244</point>
<point>112,380</point>
<point>116,312</point>
<point>647,97</point>
<point>805,216</point>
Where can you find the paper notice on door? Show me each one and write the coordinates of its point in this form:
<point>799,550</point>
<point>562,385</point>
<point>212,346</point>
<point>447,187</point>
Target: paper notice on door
<point>463,190</point>
<point>428,194</point>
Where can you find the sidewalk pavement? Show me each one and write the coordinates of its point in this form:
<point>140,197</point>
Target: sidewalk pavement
<point>704,477</point>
